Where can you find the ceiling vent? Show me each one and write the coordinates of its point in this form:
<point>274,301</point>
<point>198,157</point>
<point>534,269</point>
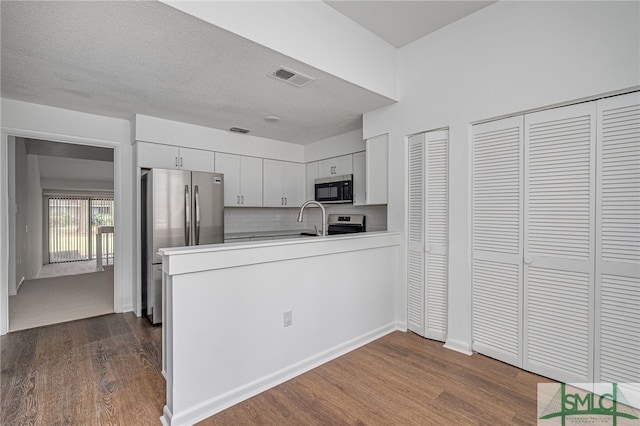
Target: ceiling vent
<point>292,77</point>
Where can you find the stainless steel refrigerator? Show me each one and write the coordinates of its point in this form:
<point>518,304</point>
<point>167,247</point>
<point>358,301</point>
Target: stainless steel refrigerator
<point>179,208</point>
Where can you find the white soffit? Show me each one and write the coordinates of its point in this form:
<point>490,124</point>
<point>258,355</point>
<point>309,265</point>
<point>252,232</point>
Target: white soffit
<point>310,31</point>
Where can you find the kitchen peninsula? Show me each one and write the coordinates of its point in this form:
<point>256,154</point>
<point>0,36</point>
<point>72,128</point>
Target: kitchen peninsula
<point>241,318</point>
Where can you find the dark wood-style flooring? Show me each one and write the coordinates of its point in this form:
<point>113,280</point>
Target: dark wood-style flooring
<point>106,371</point>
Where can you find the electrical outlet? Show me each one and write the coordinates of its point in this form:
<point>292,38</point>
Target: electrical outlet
<point>288,318</point>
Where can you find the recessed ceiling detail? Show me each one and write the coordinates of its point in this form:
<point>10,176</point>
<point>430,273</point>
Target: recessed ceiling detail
<point>292,77</point>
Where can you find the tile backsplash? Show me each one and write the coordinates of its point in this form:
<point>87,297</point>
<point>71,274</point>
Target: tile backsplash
<point>248,219</point>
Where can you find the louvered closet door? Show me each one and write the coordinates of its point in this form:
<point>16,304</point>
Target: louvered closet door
<point>436,234</point>
<point>415,269</point>
<point>559,242</point>
<point>617,345</point>
<point>497,236</point>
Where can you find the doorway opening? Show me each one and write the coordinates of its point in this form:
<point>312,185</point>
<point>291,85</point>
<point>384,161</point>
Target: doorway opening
<point>61,233</point>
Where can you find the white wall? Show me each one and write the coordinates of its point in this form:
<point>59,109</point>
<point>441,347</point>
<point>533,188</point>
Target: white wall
<point>308,31</point>
<point>34,218</point>
<point>347,143</point>
<point>18,232</point>
<point>62,168</point>
<point>158,130</point>
<point>507,58</point>
<point>56,124</point>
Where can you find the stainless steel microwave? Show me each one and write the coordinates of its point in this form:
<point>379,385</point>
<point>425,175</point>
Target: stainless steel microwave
<point>334,189</point>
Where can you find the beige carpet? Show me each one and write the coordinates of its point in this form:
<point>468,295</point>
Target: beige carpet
<point>71,268</point>
<point>53,300</point>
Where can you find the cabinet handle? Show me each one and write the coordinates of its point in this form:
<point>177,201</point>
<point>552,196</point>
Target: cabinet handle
<point>238,201</point>
<point>176,161</point>
<point>181,162</point>
<point>285,201</point>
<point>242,198</point>
<point>528,260</point>
<point>282,201</point>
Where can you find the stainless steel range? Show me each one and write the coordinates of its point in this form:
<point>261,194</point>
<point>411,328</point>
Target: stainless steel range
<point>346,223</point>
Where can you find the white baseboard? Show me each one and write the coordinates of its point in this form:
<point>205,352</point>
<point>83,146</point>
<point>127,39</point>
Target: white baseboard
<point>215,405</point>
<point>458,346</point>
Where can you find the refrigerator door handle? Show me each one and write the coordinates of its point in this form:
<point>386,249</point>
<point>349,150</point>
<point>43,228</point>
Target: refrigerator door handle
<point>196,196</point>
<point>187,215</point>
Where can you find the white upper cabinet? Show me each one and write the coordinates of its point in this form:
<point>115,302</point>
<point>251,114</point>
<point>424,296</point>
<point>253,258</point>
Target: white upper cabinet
<point>197,160</point>
<point>293,183</point>
<point>377,174</point>
<point>359,178</point>
<point>336,166</point>
<point>242,179</point>
<point>283,183</point>
<point>311,176</point>
<point>151,155</point>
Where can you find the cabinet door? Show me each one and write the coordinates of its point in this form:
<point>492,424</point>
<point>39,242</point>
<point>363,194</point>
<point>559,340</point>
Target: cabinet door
<point>251,181</point>
<point>497,239</point>
<point>617,342</point>
<point>559,197</point>
<point>311,176</point>
<point>343,165</point>
<point>326,168</point>
<point>293,184</point>
<point>377,173</point>
<point>229,165</point>
<point>153,155</point>
<point>335,166</point>
<point>359,178</point>
<point>196,160</point>
<point>272,183</point>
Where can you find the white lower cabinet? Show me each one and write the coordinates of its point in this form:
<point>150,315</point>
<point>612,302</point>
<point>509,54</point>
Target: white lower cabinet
<point>556,241</point>
<point>283,183</point>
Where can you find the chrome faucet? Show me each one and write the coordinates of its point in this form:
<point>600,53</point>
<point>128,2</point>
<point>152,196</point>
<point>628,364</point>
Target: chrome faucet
<point>324,215</point>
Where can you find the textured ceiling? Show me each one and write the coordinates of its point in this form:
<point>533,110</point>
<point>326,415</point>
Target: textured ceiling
<point>144,57</point>
<point>401,22</point>
<point>123,58</point>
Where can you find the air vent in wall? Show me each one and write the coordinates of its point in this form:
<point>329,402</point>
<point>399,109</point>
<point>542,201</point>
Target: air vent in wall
<point>292,77</point>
